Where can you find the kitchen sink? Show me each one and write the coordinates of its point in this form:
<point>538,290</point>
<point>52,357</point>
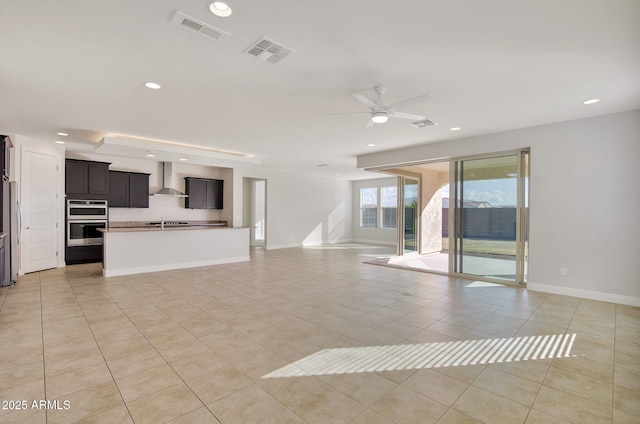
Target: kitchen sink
<point>169,223</point>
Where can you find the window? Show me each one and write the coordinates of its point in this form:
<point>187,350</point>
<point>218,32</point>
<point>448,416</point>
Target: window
<point>379,207</point>
<point>369,207</point>
<point>389,205</point>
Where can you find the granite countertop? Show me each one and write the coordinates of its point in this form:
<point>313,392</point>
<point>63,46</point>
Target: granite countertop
<point>145,226</point>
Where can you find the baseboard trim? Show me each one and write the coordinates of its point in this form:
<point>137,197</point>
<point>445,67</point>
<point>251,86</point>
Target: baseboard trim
<point>585,294</point>
<point>282,246</point>
<point>289,246</point>
<point>169,267</point>
<point>378,242</point>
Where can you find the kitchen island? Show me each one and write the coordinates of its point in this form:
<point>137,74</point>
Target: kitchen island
<point>134,248</point>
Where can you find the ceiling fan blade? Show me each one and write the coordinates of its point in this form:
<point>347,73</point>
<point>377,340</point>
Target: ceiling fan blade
<point>409,102</point>
<point>370,124</point>
<point>403,115</point>
<point>362,99</point>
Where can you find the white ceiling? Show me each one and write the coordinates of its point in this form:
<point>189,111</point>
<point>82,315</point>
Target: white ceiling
<point>79,66</point>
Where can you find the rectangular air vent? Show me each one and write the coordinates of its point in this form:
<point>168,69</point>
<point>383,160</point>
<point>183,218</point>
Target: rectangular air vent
<point>194,25</point>
<point>268,50</point>
<point>422,124</point>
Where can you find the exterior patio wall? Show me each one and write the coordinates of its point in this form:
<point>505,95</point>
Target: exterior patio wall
<point>485,223</point>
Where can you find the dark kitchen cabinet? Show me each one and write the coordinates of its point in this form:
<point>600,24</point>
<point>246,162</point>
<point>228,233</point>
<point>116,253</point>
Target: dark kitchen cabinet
<point>5,160</point>
<point>83,254</point>
<point>76,177</point>
<point>118,189</point>
<point>204,193</point>
<point>196,190</point>
<point>128,189</point>
<point>86,179</point>
<point>138,190</point>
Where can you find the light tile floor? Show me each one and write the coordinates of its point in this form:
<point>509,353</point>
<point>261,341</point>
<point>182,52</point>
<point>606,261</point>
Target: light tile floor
<point>309,335</point>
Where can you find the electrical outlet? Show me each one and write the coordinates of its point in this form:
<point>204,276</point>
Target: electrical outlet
<point>563,271</point>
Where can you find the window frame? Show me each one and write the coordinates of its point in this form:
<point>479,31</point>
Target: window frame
<point>380,221</point>
<point>368,207</point>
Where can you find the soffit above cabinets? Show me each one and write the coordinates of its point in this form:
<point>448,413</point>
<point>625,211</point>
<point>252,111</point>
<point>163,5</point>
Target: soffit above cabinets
<point>163,151</point>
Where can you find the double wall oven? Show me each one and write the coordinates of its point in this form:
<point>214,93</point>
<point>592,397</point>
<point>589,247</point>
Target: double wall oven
<point>84,219</point>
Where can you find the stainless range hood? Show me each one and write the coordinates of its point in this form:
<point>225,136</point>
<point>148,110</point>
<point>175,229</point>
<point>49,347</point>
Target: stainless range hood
<point>167,191</point>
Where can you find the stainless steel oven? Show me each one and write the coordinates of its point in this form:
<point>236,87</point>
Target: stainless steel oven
<point>84,219</point>
<point>87,209</point>
<point>85,232</point>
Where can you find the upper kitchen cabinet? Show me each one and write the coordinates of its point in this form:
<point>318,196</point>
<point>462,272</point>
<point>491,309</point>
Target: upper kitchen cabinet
<point>86,179</point>
<point>203,193</point>
<point>128,189</point>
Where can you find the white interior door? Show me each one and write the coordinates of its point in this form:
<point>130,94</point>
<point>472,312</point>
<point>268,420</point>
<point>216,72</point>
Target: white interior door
<point>39,211</point>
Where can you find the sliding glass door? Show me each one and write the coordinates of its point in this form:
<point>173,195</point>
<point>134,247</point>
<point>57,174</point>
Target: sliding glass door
<point>408,218</point>
<point>489,213</point>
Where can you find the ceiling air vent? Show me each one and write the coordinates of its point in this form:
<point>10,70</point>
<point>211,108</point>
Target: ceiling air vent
<point>422,124</point>
<point>268,50</point>
<point>194,25</point>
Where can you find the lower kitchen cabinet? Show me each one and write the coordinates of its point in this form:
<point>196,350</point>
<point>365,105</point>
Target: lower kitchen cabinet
<point>83,254</point>
<point>128,189</point>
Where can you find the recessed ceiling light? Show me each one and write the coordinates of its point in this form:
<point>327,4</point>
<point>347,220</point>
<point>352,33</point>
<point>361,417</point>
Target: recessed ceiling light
<point>59,142</point>
<point>590,101</point>
<point>455,128</point>
<point>183,158</point>
<point>151,155</point>
<point>220,8</point>
<point>371,145</point>
<point>62,134</point>
<point>152,85</point>
<point>338,174</point>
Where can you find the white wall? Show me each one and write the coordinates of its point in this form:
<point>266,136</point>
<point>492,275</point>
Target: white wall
<point>584,200</point>
<point>169,208</point>
<point>301,210</point>
<point>371,235</point>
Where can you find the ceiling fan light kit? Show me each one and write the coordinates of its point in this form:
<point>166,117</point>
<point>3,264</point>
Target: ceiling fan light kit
<point>379,117</point>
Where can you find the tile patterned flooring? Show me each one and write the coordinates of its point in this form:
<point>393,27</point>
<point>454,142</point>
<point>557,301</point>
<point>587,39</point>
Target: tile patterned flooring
<point>194,346</point>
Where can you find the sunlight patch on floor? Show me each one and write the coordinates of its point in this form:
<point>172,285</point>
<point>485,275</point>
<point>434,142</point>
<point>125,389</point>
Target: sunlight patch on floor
<point>342,246</point>
<point>350,360</point>
<point>483,284</point>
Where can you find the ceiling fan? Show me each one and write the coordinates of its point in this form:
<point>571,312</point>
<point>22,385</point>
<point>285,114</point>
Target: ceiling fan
<point>380,111</point>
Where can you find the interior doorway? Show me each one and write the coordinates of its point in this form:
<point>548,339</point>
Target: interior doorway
<point>255,210</point>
